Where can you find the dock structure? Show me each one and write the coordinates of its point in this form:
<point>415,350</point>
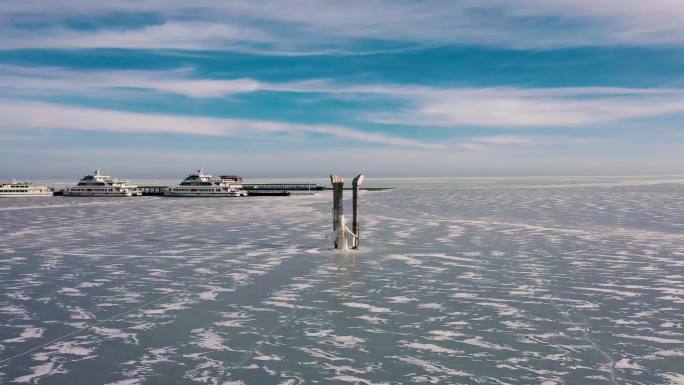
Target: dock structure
<point>340,231</point>
<point>356,184</point>
<point>338,208</point>
<point>268,193</point>
<point>276,189</point>
<point>253,189</point>
<point>283,186</point>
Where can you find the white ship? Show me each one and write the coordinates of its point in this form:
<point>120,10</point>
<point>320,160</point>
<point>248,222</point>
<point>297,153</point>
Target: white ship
<point>98,185</point>
<point>23,189</point>
<point>200,184</point>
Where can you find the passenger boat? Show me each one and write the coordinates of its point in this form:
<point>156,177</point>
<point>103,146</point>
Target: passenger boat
<point>199,184</point>
<point>233,179</point>
<point>23,189</point>
<point>99,185</point>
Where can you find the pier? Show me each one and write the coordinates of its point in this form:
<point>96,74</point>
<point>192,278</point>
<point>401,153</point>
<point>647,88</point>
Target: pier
<point>283,186</point>
<point>341,233</point>
<point>253,189</point>
<point>257,189</point>
<point>268,193</point>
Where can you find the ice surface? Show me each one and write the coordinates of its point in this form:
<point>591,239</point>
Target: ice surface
<point>468,281</point>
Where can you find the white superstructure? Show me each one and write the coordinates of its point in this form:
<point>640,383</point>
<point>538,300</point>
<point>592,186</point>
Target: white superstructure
<point>200,184</point>
<point>23,189</point>
<point>98,185</point>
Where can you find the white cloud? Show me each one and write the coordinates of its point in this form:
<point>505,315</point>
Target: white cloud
<point>27,115</point>
<point>170,35</point>
<point>614,21</point>
<point>305,25</point>
<point>61,81</point>
<point>535,107</point>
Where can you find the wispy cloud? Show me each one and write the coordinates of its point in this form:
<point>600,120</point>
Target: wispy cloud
<point>35,116</point>
<point>501,139</point>
<point>304,25</point>
<point>502,107</point>
<point>182,81</point>
<point>536,107</point>
<point>183,35</point>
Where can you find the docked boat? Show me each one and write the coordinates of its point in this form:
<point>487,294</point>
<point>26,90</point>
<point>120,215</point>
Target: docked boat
<point>199,184</point>
<point>236,180</point>
<point>99,185</point>
<point>23,189</point>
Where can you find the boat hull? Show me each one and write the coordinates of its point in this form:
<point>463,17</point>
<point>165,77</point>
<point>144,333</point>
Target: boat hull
<point>100,194</point>
<point>22,195</point>
<point>200,194</point>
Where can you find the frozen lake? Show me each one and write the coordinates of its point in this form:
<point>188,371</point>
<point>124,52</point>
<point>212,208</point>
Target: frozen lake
<point>459,281</point>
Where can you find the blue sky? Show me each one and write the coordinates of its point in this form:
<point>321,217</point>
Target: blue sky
<point>150,89</point>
